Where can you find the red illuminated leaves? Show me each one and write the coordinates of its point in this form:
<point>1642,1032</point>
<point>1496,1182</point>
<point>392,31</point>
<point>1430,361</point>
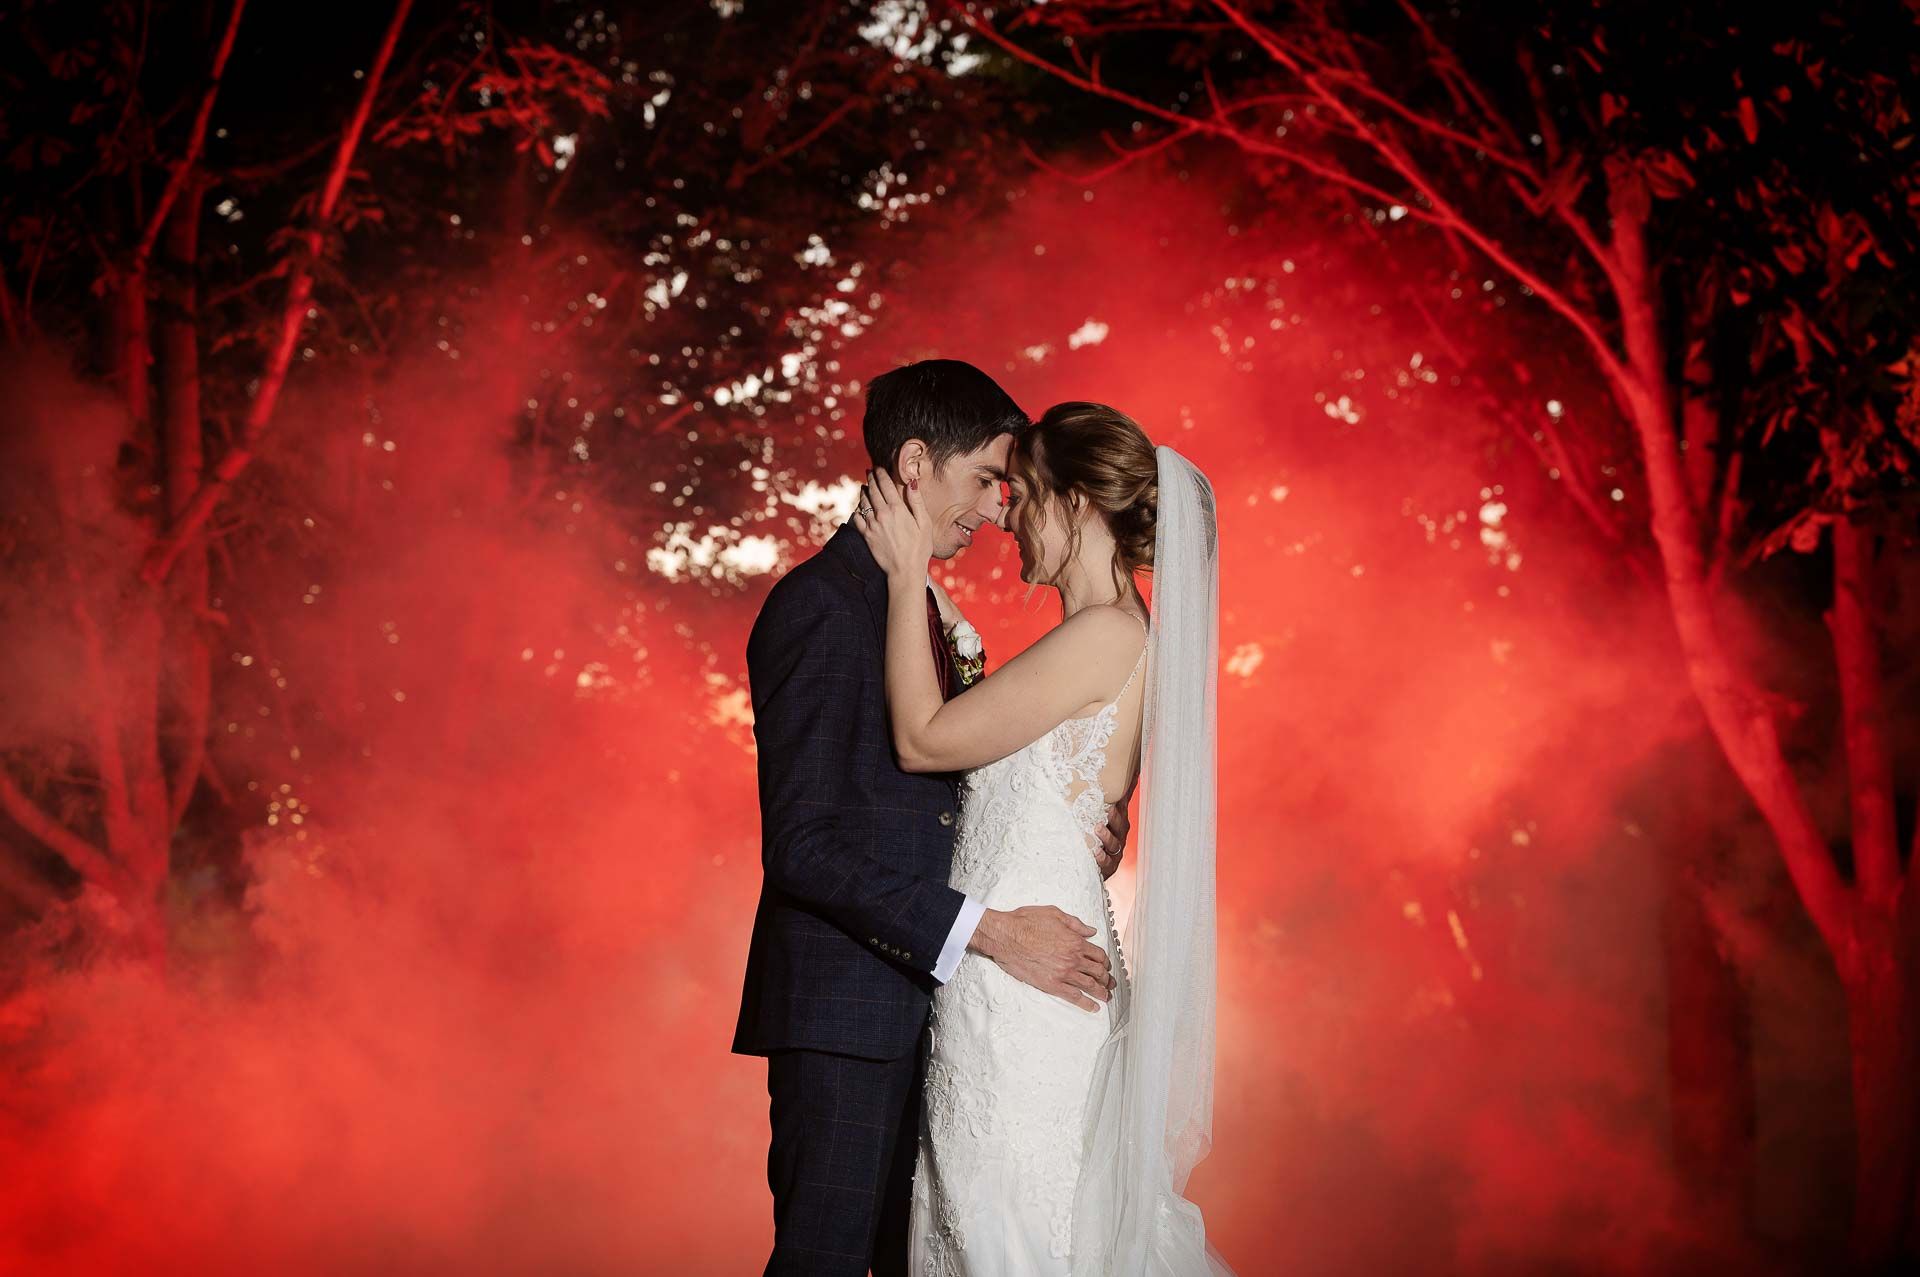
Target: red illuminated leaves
<point>1666,174</point>
<point>532,91</point>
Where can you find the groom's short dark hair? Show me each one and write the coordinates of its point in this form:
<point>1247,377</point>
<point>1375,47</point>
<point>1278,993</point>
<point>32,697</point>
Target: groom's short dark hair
<point>950,405</point>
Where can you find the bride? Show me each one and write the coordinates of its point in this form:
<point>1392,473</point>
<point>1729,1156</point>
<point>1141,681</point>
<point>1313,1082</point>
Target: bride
<point>1059,1135</point>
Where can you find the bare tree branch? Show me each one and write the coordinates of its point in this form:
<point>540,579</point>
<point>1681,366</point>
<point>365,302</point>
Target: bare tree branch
<point>1126,157</point>
<point>9,320</point>
<point>1363,85</point>
<point>1210,128</point>
<point>1459,82</point>
<point>1584,323</point>
<point>1552,449</point>
<point>1855,631</point>
<point>33,272</point>
<point>1726,519</point>
<point>739,176</point>
<point>160,556</point>
<point>25,883</point>
<point>196,138</point>
<point>86,859</point>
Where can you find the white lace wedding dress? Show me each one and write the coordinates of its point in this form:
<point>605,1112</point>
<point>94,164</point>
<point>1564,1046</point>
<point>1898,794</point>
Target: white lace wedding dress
<point>1010,1068</point>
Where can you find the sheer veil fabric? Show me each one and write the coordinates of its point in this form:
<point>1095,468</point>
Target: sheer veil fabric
<point>1150,1113</point>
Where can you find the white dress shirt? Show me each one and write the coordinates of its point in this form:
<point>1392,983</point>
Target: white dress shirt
<point>956,945</point>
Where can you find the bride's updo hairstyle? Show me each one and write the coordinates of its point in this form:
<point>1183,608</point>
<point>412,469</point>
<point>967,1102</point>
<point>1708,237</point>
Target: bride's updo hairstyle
<point>1090,453</point>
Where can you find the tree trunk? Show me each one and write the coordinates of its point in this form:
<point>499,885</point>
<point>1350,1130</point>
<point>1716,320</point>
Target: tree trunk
<point>134,354</point>
<point>1864,928</point>
<point>118,629</point>
<point>139,638</point>
<point>182,447</point>
<point>1877,966</point>
<point>1883,1020</point>
<point>1709,1025</point>
<point>1735,706</point>
<point>293,317</point>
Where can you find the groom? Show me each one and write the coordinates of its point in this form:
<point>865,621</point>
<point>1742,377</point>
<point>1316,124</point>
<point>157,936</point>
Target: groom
<point>856,924</point>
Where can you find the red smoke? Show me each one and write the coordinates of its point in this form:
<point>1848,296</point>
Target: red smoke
<point>475,1016</point>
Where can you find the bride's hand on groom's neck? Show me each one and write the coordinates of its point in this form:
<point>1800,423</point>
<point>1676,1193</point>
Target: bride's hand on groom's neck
<point>897,529</point>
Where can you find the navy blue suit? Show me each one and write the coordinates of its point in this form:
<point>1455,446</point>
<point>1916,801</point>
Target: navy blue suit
<point>854,909</point>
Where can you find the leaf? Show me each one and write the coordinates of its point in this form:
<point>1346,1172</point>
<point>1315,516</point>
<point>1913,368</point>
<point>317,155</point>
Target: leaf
<point>1794,324</point>
<point>1749,120</point>
<point>1564,184</point>
<point>1804,531</point>
<point>1667,175</point>
<point>1612,107</point>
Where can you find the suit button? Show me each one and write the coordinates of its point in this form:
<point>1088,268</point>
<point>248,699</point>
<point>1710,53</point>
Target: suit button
<point>946,818</point>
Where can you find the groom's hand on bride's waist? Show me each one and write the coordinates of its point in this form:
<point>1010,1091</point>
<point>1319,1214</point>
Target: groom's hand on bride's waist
<point>1048,949</point>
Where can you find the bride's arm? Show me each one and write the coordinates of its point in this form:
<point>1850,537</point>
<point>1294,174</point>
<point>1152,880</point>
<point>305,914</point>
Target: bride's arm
<point>1075,665</point>
<point>1078,663</point>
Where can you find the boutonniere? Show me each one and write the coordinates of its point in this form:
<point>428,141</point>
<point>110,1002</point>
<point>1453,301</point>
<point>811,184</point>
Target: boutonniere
<point>969,654</point>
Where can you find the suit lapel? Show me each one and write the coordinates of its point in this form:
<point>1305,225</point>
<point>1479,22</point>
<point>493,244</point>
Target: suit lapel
<point>850,549</point>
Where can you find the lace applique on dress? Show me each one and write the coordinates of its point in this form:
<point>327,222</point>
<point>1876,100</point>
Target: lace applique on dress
<point>1010,1067</point>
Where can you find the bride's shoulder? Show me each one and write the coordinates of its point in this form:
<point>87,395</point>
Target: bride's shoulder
<point>1106,626</point>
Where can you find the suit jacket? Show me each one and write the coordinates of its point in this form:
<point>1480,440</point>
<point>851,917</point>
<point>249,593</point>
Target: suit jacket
<point>854,853</point>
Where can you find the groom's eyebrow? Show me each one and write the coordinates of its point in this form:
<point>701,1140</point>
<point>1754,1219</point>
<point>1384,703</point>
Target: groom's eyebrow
<point>992,472</point>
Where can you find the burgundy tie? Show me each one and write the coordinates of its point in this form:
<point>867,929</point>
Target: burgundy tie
<point>942,663</point>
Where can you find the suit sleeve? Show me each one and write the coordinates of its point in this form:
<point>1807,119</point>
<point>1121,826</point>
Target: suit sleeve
<point>801,665</point>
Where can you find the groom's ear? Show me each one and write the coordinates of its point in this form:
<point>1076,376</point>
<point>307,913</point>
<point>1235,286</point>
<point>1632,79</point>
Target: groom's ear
<point>913,461</point>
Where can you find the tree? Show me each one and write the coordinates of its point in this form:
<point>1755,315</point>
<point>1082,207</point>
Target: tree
<point>756,183</point>
<point>1731,251</point>
<point>134,588</point>
<point>211,201</point>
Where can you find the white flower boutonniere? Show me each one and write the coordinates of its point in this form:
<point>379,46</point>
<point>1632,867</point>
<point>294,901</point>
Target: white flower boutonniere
<point>969,653</point>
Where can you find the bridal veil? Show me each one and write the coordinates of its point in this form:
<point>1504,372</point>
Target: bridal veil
<point>1150,1113</point>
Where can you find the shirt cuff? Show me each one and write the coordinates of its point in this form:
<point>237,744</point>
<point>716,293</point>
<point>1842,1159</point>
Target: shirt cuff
<point>956,946</point>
